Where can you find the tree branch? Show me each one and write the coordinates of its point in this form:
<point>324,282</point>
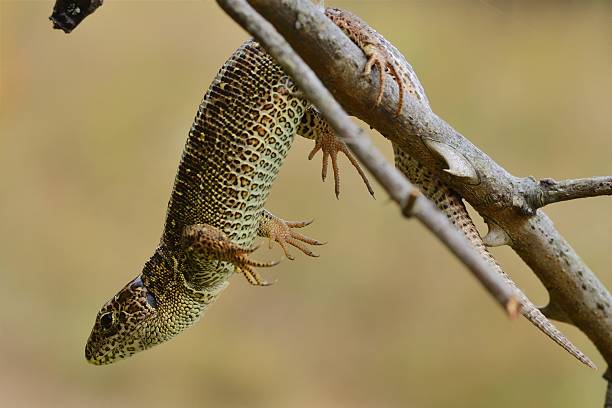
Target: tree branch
<point>552,191</point>
<point>498,196</point>
<point>396,185</point>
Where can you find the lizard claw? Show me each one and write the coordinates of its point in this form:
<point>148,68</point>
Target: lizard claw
<point>245,265</point>
<point>331,146</point>
<point>379,57</point>
<point>375,50</point>
<point>253,277</point>
<point>281,231</point>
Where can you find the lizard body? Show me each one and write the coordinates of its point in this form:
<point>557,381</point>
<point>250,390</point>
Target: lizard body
<point>243,129</point>
<point>240,136</point>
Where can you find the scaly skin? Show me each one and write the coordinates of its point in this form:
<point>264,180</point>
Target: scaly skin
<point>447,200</point>
<point>242,131</point>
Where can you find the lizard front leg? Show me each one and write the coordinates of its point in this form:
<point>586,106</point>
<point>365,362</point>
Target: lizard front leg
<point>279,230</point>
<point>314,126</point>
<point>204,243</point>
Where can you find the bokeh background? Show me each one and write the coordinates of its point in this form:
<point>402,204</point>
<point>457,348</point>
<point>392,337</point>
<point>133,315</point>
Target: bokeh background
<point>91,129</point>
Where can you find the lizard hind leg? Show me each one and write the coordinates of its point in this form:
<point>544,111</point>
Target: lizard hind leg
<point>378,56</point>
<point>375,50</point>
<point>204,243</point>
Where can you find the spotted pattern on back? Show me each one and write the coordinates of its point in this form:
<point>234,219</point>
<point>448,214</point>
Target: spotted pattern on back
<point>241,134</point>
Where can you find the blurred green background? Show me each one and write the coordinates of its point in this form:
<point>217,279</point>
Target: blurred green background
<point>91,129</point>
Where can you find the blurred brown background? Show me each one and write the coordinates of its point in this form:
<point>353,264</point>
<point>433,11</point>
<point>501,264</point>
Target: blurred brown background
<point>91,129</point>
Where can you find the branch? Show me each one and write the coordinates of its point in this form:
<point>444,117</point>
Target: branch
<point>394,182</point>
<point>552,191</point>
<point>498,196</point>
<point>608,377</point>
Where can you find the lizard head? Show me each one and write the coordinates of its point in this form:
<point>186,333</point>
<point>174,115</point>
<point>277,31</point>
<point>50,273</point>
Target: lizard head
<point>122,325</point>
<point>149,310</point>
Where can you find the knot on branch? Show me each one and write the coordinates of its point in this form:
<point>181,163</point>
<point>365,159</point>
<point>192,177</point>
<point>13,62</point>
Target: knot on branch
<point>458,165</point>
<point>527,197</point>
<point>496,236</point>
<point>407,203</point>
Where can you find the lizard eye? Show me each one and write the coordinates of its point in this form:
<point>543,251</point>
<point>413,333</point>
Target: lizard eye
<point>106,320</point>
<point>151,300</point>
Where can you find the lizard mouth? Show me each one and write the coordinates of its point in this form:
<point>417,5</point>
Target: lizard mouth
<point>89,356</point>
<point>94,356</point>
<point>104,356</point>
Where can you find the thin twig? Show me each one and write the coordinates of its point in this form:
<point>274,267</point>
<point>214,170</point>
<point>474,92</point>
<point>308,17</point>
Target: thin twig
<point>396,185</point>
<point>552,191</point>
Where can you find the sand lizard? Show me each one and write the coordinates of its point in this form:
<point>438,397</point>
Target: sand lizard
<point>242,131</point>
<point>240,136</point>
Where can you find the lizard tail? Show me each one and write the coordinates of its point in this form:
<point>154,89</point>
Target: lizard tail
<point>540,321</point>
<point>452,205</point>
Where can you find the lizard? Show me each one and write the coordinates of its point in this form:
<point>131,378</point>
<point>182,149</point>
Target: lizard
<point>213,218</point>
<point>242,131</point>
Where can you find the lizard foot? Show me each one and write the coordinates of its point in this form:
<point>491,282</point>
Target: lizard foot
<point>379,57</point>
<point>276,229</point>
<point>327,141</point>
<point>374,49</point>
<point>207,242</point>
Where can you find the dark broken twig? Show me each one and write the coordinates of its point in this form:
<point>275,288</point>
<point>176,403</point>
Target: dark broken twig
<point>67,14</point>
